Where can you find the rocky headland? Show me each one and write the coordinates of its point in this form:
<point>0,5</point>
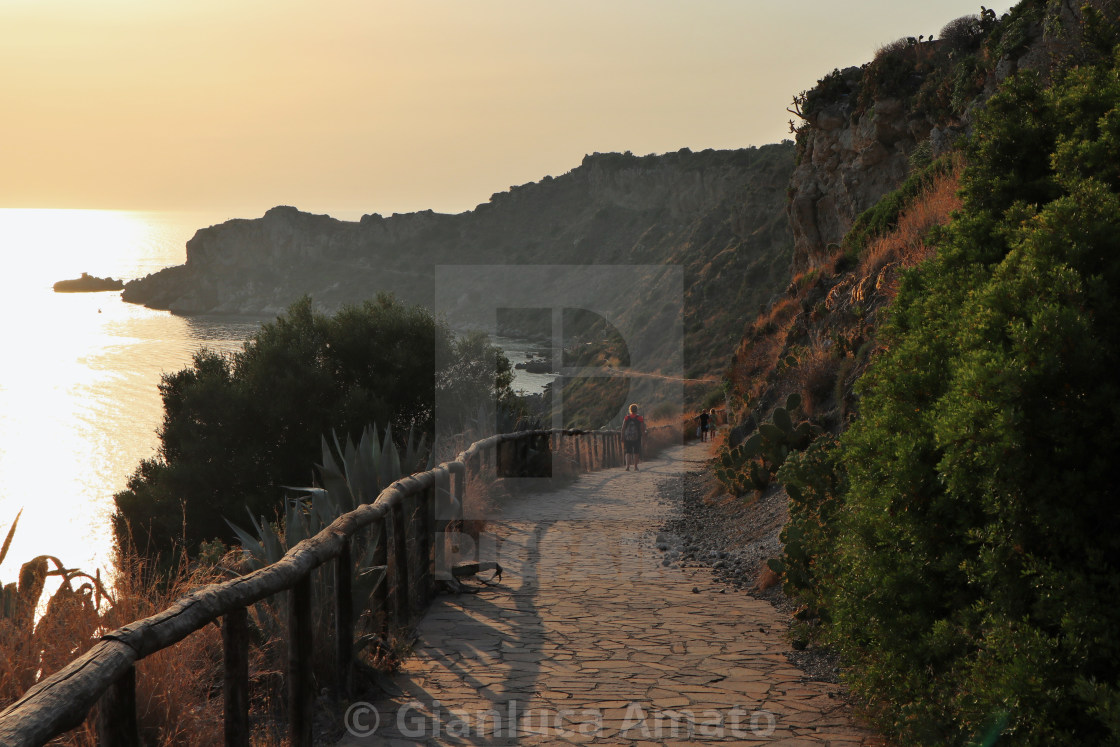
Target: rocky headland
<point>720,215</point>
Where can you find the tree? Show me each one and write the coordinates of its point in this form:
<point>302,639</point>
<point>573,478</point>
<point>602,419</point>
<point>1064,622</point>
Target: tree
<point>238,427</point>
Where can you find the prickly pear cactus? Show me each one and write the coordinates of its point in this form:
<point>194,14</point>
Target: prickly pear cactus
<point>753,463</point>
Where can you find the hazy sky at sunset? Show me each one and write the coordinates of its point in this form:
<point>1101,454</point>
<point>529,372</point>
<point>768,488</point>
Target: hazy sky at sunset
<point>353,106</point>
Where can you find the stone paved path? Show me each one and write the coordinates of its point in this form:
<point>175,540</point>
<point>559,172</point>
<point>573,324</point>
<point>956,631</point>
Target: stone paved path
<point>589,639</point>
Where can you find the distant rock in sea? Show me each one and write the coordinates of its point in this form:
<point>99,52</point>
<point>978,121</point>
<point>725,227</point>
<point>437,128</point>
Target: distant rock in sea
<point>537,366</point>
<point>88,284</point>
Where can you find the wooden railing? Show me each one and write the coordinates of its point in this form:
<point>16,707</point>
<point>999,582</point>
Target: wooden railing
<point>403,518</point>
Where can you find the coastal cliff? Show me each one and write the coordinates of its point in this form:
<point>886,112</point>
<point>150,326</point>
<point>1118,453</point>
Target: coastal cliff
<point>718,214</point>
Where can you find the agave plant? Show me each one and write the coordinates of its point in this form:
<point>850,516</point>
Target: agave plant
<point>37,640</point>
<point>351,474</point>
<point>19,600</point>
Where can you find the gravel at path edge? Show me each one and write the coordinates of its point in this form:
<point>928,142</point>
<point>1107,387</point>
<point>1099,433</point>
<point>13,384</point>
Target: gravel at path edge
<point>734,538</point>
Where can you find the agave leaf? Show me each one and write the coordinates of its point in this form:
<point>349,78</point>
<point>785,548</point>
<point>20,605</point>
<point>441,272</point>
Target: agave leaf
<point>390,467</point>
<point>324,509</point>
<point>361,472</point>
<point>329,462</point>
<point>249,543</point>
<point>338,486</point>
<point>8,539</point>
<point>11,533</point>
<point>350,452</point>
<point>388,439</point>
<point>341,467</point>
<point>367,548</point>
<point>372,575</point>
<point>273,548</point>
<point>295,523</point>
<point>32,578</point>
<point>9,603</point>
<point>375,444</point>
<point>411,450</point>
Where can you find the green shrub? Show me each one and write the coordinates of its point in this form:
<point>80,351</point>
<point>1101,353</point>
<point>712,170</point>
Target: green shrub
<point>814,481</point>
<point>975,561</point>
<point>236,428</point>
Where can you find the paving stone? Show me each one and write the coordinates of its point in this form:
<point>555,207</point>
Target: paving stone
<point>588,630</point>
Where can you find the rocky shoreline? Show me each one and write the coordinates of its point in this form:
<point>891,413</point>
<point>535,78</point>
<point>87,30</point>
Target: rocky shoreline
<point>734,539</point>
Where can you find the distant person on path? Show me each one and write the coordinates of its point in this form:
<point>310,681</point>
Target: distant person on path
<point>712,425</point>
<point>633,431</point>
<point>704,417</point>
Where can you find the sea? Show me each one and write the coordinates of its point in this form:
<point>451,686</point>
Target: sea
<point>80,372</point>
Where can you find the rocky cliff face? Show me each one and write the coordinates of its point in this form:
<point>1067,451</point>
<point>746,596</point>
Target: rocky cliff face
<point>863,127</point>
<point>719,214</point>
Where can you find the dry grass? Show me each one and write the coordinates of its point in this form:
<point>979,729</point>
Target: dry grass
<point>908,244</point>
<point>842,312</point>
<point>767,579</point>
<point>179,689</point>
<point>815,378</point>
<point>757,356</point>
<point>662,434</point>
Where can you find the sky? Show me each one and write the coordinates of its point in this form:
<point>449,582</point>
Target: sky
<point>349,107</point>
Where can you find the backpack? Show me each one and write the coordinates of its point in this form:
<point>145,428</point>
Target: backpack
<point>631,429</point>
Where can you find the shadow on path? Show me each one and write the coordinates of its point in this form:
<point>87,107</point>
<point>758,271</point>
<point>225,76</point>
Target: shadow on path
<point>591,640</point>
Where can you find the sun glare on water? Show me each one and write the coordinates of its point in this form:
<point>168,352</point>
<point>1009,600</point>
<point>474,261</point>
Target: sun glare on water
<point>79,406</point>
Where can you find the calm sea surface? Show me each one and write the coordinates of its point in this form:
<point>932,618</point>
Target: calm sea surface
<point>79,404</point>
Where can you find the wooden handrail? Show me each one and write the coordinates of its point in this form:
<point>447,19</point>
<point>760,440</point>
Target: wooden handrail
<point>63,700</point>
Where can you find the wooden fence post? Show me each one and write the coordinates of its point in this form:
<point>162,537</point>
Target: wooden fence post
<point>400,558</point>
<point>412,506</point>
<point>442,512</point>
<point>235,688</point>
<point>300,690</point>
<point>380,531</point>
<point>422,530</point>
<point>116,713</point>
<point>431,498</point>
<point>459,480</point>
<point>343,620</point>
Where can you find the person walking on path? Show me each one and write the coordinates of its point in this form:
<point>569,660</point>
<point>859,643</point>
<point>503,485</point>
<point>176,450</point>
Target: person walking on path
<point>633,432</point>
<point>704,417</point>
